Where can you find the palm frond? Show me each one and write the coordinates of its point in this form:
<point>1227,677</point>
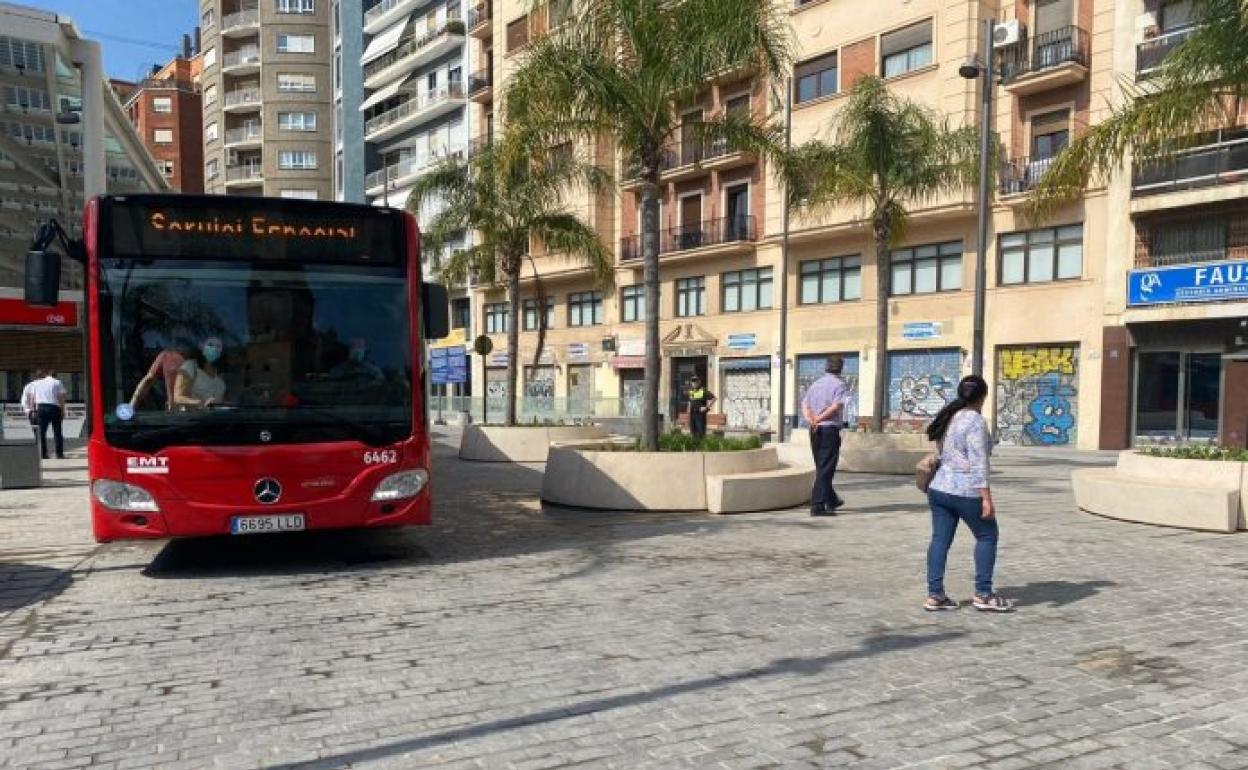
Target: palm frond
<point>565,233</point>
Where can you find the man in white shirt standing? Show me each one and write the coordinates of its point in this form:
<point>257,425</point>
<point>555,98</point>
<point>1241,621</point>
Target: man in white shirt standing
<point>28,403</point>
<point>47,396</point>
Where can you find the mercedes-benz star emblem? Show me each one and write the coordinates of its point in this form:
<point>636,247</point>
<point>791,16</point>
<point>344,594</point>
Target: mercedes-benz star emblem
<point>266,436</point>
<point>268,491</point>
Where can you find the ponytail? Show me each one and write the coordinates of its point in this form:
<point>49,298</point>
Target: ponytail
<point>972,390</point>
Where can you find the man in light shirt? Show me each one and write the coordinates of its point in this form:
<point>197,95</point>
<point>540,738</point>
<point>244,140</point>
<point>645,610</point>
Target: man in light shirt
<point>824,409</point>
<point>28,403</point>
<point>47,399</point>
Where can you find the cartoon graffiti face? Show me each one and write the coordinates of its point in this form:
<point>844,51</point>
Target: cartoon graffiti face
<point>924,396</point>
<point>1051,417</point>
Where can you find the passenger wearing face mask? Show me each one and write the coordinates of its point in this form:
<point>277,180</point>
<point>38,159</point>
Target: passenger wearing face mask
<point>357,365</point>
<point>199,384</point>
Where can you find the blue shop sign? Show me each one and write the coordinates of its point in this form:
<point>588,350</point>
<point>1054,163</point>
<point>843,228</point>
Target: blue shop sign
<point>1188,283</point>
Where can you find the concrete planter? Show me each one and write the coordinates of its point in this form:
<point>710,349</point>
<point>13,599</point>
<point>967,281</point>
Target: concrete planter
<point>519,444</point>
<point>1205,495</point>
<point>861,452</point>
<point>581,475</point>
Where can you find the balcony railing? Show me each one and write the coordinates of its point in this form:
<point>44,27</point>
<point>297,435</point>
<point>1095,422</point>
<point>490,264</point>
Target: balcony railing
<point>244,134</point>
<point>712,232</point>
<point>1220,159</point>
<point>410,45</point>
<point>1150,53</point>
<point>242,96</point>
<point>1068,45</point>
<point>687,154</point>
<point>241,57</point>
<point>245,18</point>
<point>479,81</point>
<point>417,164</point>
<point>379,10</point>
<point>479,15</point>
<point>1020,175</point>
<point>1186,242</point>
<point>244,173</point>
<point>454,90</point>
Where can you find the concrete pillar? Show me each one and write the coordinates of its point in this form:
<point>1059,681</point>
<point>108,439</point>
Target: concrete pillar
<point>86,54</point>
<point>1234,432</point>
<point>1116,389</point>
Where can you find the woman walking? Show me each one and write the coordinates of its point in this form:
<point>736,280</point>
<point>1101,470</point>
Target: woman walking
<point>960,491</point>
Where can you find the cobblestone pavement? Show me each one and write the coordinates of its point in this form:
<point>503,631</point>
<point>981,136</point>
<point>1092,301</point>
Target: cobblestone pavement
<point>512,637</point>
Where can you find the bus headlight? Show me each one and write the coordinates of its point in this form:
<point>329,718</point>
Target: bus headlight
<point>402,485</point>
<point>120,496</point>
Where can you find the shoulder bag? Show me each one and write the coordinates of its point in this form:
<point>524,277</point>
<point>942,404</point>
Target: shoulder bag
<point>925,469</point>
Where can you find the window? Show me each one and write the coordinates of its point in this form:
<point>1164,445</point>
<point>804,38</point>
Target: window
<point>1179,243</point>
<point>296,121</point>
<point>296,159</point>
<point>1176,16</point>
<point>927,269</point>
<point>210,58</point>
<point>691,297</point>
<point>738,106</point>
<point>746,290</point>
<point>816,78</point>
<point>296,6</point>
<point>633,303</point>
<point>210,95</point>
<point>907,49</point>
<point>585,308</point>
<point>1039,256</point>
<point>517,33</point>
<point>305,195</point>
<point>291,82</point>
<point>25,98</point>
<point>212,169</point>
<point>211,132</point>
<point>461,313</point>
<point>162,135</point>
<point>295,43</point>
<point>21,54</point>
<point>530,314</point>
<point>208,19</point>
<point>496,318</point>
<point>162,104</point>
<point>166,167</point>
<point>830,280</point>
<point>1050,133</point>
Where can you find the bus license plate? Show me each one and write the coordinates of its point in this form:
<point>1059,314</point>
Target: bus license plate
<point>255,525</point>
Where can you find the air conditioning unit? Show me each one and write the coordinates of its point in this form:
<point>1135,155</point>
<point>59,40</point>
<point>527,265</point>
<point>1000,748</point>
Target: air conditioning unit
<point>1007,33</point>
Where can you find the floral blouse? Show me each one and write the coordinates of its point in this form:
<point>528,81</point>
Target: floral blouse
<point>964,463</point>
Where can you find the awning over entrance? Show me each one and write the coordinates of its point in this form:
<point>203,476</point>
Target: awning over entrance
<point>628,362</point>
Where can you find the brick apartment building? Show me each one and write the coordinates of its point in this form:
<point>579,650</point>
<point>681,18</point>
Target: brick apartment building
<point>166,110</point>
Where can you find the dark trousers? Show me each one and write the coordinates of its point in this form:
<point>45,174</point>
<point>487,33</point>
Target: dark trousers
<point>50,414</point>
<point>825,445</point>
<point>697,422</point>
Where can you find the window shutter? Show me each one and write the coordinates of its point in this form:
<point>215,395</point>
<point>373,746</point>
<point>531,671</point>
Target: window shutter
<point>819,64</point>
<point>905,38</point>
<point>517,33</point>
<point>1052,15</point>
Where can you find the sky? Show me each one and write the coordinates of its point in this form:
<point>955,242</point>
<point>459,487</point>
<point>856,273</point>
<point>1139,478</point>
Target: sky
<point>135,34</point>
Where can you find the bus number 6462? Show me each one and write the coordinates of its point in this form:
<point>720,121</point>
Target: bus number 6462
<point>381,457</point>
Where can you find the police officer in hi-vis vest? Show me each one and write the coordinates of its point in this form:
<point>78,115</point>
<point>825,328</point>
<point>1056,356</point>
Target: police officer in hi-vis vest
<point>700,400</point>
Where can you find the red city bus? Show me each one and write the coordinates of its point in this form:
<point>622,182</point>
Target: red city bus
<point>283,339</point>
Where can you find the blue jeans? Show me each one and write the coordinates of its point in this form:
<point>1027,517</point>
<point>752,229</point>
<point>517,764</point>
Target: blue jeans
<point>946,511</point>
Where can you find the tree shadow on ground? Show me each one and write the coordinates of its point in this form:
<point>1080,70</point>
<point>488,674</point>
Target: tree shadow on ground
<point>23,584</point>
<point>1056,593</point>
<point>874,645</point>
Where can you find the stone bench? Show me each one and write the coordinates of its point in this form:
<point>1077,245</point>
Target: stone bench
<point>20,466</point>
<point>1165,502</point>
<point>784,487</point>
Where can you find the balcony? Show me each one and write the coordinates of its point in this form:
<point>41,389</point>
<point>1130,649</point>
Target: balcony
<point>1150,53</point>
<point>385,12</point>
<point>409,169</point>
<point>241,23</point>
<point>241,62</point>
<point>414,111</point>
<point>236,137</point>
<point>413,51</point>
<point>481,86</point>
<point>729,231</point>
<point>478,21</point>
<point>245,175</point>
<point>1213,170</point>
<point>1018,176</point>
<point>1187,241</point>
<point>1047,61</point>
<point>242,100</point>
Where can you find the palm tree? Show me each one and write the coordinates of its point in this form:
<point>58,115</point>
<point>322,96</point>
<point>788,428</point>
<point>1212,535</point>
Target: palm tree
<point>888,155</point>
<point>1200,85</point>
<point>617,72</point>
<point>510,194</point>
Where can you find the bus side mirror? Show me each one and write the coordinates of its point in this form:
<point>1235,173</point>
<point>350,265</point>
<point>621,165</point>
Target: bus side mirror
<point>43,278</point>
<point>435,311</point>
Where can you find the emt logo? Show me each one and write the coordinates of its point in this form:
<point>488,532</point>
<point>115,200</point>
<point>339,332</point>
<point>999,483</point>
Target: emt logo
<point>148,465</point>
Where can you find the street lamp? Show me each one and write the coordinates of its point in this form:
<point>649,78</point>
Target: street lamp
<point>980,66</point>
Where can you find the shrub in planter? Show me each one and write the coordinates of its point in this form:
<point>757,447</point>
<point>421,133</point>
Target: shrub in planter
<point>1198,452</point>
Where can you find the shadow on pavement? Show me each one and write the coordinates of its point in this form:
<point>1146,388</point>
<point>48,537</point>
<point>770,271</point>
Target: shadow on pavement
<point>24,584</point>
<point>1056,593</point>
<point>872,646</point>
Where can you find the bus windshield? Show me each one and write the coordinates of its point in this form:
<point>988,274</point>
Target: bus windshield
<point>253,351</point>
